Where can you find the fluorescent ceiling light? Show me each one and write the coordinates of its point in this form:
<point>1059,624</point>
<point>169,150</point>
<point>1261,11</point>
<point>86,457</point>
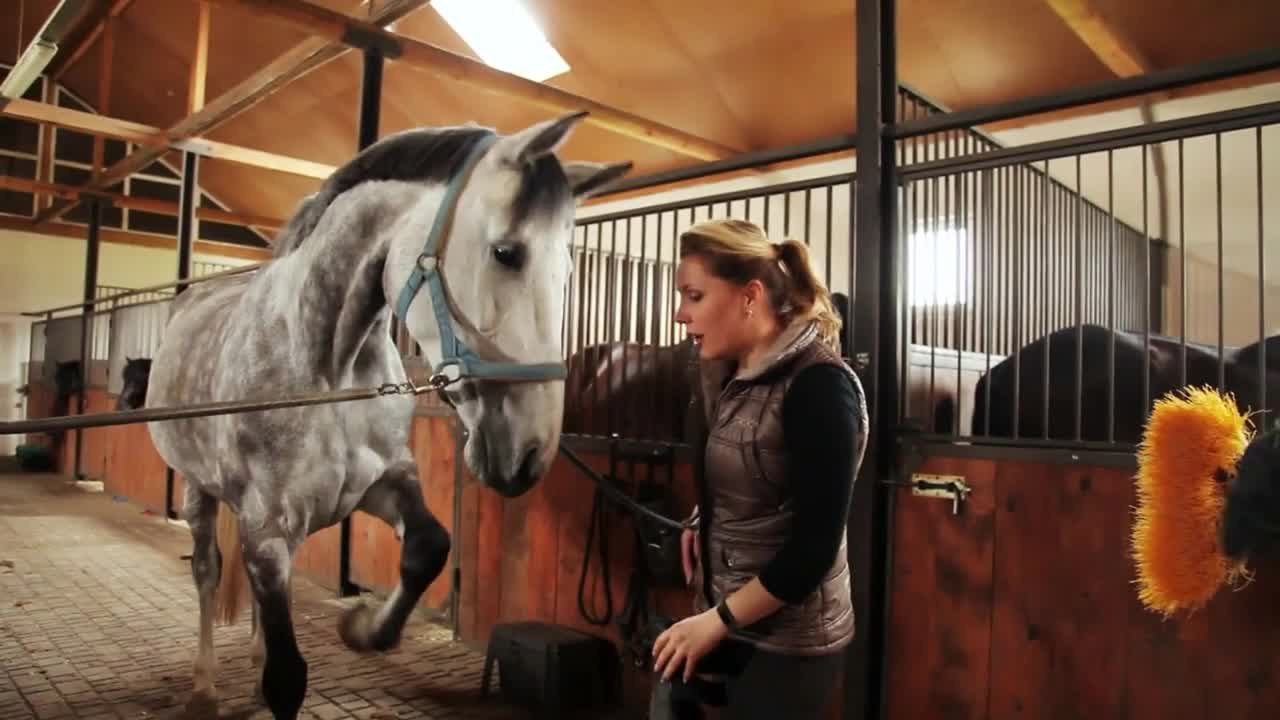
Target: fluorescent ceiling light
<point>504,35</point>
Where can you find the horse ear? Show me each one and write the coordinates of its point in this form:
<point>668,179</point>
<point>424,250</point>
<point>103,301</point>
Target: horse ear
<point>588,178</point>
<point>537,140</point>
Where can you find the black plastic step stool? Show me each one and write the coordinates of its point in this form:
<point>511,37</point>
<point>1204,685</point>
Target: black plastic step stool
<point>552,668</point>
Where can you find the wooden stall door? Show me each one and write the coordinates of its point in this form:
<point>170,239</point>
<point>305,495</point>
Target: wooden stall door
<point>1023,606</point>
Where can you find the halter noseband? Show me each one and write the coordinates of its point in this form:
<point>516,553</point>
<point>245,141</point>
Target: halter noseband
<point>429,270</point>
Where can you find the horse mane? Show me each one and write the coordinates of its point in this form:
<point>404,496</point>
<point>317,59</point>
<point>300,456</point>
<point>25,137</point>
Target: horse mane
<point>418,155</point>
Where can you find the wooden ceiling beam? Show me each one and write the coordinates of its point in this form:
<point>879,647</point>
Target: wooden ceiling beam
<point>160,207</point>
<point>155,141</point>
<point>338,27</point>
<point>63,62</point>
<point>1125,60</point>
<point>293,64</point>
<point>104,88</point>
<point>199,62</point>
<point>124,237</point>
<point>1113,49</point>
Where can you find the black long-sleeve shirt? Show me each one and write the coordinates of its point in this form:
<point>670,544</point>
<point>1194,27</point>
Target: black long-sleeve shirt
<point>821,416</point>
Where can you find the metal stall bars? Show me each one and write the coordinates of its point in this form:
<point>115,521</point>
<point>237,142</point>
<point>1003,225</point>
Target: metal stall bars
<point>619,334</point>
<point>875,25</point>
<point>628,358</point>
<point>1055,260</point>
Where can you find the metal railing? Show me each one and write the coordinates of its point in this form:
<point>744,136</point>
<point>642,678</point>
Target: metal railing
<point>1056,313</point>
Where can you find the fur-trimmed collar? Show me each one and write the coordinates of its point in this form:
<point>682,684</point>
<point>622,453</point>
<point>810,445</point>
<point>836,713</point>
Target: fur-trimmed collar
<point>714,373</point>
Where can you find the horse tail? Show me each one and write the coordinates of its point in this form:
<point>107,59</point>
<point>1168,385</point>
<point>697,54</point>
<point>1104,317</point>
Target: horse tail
<point>232,586</point>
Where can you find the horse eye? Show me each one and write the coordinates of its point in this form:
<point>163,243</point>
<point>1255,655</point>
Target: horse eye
<point>510,256</point>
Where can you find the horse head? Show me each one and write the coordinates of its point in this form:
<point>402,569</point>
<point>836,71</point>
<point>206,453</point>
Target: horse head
<point>66,378</point>
<point>477,271</point>
<point>136,374</point>
<point>67,382</point>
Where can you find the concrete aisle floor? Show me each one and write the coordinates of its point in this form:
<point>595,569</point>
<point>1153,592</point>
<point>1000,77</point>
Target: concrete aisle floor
<point>98,619</point>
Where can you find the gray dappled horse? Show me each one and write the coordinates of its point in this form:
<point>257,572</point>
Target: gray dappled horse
<point>317,317</point>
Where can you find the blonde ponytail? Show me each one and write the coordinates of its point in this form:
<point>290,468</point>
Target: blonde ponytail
<point>807,295</point>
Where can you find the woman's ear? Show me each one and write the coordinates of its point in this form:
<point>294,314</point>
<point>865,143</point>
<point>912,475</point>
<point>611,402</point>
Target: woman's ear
<point>755,293</point>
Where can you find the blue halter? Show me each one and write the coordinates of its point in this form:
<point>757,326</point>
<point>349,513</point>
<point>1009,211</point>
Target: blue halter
<point>428,270</point>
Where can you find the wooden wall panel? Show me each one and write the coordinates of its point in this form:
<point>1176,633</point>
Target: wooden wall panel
<point>942,594</point>
<point>317,558</point>
<point>1024,606</point>
<point>1061,586</point>
<point>134,469</point>
<point>93,451</point>
<point>524,558</point>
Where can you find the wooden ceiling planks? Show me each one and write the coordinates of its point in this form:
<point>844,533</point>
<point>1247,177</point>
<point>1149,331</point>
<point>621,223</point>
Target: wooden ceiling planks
<point>749,74</point>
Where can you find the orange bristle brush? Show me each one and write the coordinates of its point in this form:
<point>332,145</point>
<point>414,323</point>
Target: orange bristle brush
<point>1192,442</point>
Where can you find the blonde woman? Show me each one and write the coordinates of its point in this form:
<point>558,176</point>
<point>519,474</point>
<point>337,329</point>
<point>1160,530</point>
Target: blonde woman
<point>786,426</point>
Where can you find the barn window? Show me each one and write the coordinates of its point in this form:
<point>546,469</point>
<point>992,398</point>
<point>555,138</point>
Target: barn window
<point>937,260</point>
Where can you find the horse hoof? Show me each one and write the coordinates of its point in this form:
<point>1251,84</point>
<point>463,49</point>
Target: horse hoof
<point>356,627</point>
<point>202,705</point>
<point>358,630</point>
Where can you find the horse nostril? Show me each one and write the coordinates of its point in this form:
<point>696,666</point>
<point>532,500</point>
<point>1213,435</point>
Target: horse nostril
<point>524,477</point>
<point>526,466</point>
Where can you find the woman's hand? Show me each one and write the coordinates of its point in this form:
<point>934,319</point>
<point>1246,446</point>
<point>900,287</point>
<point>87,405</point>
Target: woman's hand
<point>686,642</point>
<point>688,553</point>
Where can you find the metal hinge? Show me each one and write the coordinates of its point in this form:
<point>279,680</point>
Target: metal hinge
<point>952,487</point>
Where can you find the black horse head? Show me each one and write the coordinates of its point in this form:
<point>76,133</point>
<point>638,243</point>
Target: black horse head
<point>136,373</point>
<point>1251,518</point>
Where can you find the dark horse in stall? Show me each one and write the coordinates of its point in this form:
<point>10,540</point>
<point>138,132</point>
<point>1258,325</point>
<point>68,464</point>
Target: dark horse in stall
<point>641,391</point>
<point>68,382</point>
<point>136,373</point>
<point>1164,354</point>
<point>632,389</point>
<point>1250,356</point>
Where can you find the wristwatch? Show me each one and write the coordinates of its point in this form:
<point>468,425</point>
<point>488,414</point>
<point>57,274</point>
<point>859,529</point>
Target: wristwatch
<point>726,616</point>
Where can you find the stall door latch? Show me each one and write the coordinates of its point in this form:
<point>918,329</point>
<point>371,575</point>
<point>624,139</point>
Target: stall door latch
<point>951,487</point>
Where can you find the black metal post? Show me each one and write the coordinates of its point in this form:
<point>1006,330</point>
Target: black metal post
<point>188,201</point>
<point>367,134</point>
<point>370,99</point>
<point>874,342</point>
<point>86,317</point>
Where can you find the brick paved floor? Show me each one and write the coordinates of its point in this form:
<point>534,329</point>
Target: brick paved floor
<point>98,619</point>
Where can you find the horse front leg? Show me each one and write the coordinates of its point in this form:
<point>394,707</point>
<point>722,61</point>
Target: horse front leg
<point>268,561</point>
<point>396,498</point>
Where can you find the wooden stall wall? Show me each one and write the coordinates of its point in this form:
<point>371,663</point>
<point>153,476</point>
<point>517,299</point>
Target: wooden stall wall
<point>1023,606</point>
<point>40,400</point>
<point>135,470</point>
<point>523,558</point>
